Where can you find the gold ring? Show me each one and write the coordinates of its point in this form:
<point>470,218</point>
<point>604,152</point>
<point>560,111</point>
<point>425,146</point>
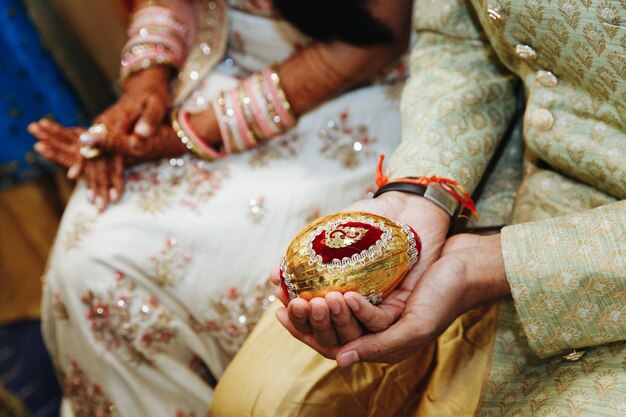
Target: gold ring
<point>89,152</point>
<point>99,129</point>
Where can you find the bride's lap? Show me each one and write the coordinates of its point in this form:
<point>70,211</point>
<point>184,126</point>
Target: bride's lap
<point>158,292</point>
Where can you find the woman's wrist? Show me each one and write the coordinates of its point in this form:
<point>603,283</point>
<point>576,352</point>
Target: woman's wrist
<point>154,78</point>
<point>205,125</point>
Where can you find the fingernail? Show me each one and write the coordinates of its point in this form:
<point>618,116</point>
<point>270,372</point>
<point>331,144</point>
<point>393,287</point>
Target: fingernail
<point>347,358</point>
<point>134,143</point>
<point>39,147</point>
<point>353,304</point>
<point>100,203</point>
<point>298,311</point>
<point>114,195</point>
<point>87,138</point>
<point>143,129</point>
<point>334,306</point>
<point>317,312</point>
<point>90,195</point>
<point>73,172</point>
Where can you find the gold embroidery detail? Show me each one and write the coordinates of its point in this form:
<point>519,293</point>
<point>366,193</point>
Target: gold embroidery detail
<point>343,236</point>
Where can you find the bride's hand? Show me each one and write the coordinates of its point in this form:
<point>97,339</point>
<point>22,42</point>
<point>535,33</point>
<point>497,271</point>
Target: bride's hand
<point>137,114</point>
<point>104,175</point>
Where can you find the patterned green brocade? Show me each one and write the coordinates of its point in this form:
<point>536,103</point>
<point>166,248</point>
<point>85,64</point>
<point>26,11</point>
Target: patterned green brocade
<point>567,273</point>
<point>522,385</point>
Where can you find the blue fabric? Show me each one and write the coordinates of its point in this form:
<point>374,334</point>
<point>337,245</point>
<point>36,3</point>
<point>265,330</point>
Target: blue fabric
<point>31,87</point>
<point>26,370</point>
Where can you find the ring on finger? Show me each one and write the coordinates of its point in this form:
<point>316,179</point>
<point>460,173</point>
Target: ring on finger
<point>95,132</point>
<point>99,129</point>
<point>90,152</point>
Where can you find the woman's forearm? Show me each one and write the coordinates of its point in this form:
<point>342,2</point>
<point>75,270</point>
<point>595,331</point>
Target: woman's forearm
<point>322,71</point>
<point>312,76</point>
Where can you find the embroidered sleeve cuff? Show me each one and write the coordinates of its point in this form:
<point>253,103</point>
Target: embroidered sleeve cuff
<point>567,278</point>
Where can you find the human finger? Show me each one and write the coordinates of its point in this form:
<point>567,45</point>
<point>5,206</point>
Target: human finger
<point>319,319</point>
<point>56,155</point>
<point>97,182</point>
<point>283,317</point>
<point>390,346</point>
<point>374,318</point>
<point>298,310</point>
<point>77,169</point>
<point>51,127</point>
<point>282,297</point>
<point>117,178</point>
<point>151,117</point>
<point>90,179</point>
<point>275,274</point>
<point>103,176</point>
<point>345,324</point>
<point>56,134</point>
<point>119,120</point>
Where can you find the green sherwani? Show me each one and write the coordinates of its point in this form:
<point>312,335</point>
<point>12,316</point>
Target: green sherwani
<point>565,257</point>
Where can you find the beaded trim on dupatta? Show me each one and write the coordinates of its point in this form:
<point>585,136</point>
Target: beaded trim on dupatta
<point>208,48</point>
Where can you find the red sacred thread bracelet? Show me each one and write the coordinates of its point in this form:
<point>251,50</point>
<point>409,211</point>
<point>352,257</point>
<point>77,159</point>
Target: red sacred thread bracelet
<point>457,190</point>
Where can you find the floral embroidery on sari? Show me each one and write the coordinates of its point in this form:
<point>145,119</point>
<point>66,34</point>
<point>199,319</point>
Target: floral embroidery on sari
<point>60,309</point>
<point>169,264</point>
<point>79,228</point>
<point>235,314</point>
<point>349,145</point>
<point>283,147</point>
<point>191,183</point>
<point>87,398</point>
<point>121,320</point>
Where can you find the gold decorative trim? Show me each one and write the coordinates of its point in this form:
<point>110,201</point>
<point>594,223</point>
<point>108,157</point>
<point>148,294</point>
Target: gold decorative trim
<point>208,47</point>
<point>357,258</point>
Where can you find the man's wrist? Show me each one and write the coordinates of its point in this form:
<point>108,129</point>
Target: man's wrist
<point>487,274</point>
<point>402,201</point>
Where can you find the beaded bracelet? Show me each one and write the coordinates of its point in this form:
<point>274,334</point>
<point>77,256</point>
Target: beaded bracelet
<point>186,134</point>
<point>254,111</point>
<point>156,37</point>
<point>446,193</point>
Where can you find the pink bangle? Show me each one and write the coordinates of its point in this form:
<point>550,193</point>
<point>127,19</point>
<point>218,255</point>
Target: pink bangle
<point>152,25</point>
<point>153,58</point>
<point>169,42</point>
<point>238,143</point>
<point>242,126</point>
<point>270,111</point>
<point>285,118</point>
<point>256,109</point>
<point>194,139</point>
<point>246,102</point>
<point>218,106</point>
<point>162,15</point>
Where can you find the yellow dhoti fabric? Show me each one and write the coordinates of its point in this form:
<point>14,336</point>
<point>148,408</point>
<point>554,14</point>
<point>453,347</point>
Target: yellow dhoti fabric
<point>306,384</point>
<point>278,375</point>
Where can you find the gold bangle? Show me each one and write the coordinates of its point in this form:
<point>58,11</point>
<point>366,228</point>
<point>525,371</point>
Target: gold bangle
<point>187,138</point>
<point>281,92</point>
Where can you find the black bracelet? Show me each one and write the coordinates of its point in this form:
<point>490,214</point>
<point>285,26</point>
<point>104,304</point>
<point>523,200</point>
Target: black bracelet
<point>405,187</point>
<point>415,189</point>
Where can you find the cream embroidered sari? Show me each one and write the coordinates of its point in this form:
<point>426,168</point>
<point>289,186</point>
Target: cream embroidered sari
<point>146,304</point>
